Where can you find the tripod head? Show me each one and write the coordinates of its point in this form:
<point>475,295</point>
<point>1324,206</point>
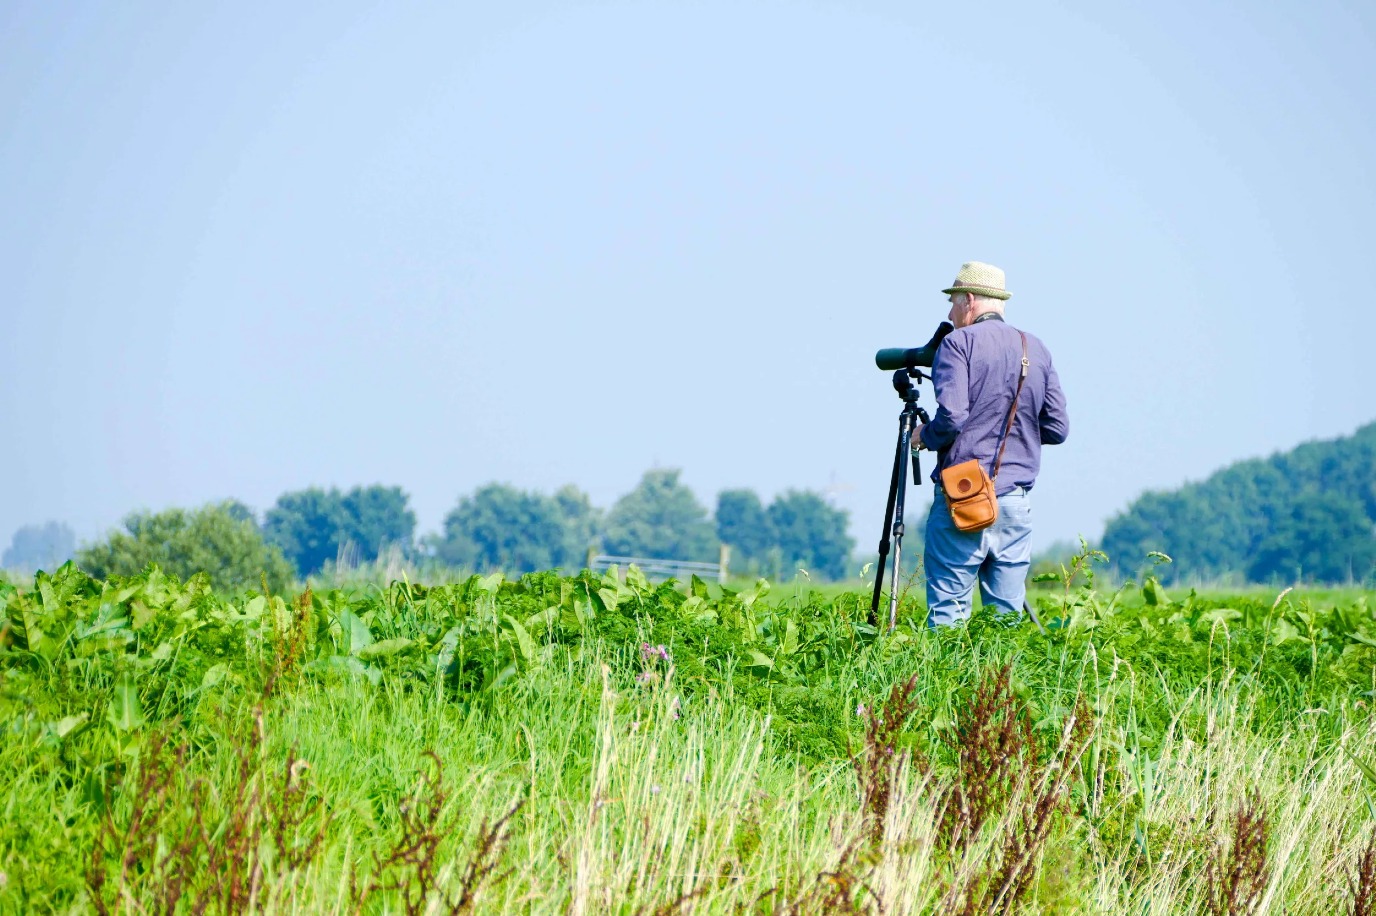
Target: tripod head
<point>906,382</point>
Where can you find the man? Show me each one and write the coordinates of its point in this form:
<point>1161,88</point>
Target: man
<point>975,374</point>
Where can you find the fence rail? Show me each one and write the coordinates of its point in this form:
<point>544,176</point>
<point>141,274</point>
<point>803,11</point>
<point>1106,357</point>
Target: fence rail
<point>655,568</point>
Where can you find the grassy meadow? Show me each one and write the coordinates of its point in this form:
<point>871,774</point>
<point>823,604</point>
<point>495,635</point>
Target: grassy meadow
<point>604,744</point>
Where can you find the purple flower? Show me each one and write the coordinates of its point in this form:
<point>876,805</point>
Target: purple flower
<point>649,653</point>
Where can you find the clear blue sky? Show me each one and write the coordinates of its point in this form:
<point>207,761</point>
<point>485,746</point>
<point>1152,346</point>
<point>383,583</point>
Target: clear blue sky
<point>252,248</point>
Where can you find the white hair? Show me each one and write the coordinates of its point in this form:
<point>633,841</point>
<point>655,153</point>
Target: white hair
<point>986,303</point>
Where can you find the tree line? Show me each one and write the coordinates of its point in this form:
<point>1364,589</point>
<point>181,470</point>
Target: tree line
<point>1307,515</point>
<point>497,527</point>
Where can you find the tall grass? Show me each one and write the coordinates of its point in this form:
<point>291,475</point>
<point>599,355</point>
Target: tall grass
<point>985,770</point>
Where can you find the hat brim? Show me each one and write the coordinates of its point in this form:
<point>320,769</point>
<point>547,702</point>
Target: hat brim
<point>980,291</point>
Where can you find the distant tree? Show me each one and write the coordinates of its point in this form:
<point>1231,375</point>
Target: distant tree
<point>582,526</point>
<point>1327,538</point>
<point>36,547</point>
<point>307,525</point>
<point>660,518</point>
<point>212,540</point>
<point>311,525</point>
<point>811,533</point>
<point>239,511</point>
<point>1308,512</point>
<point>502,528</point>
<point>743,524</point>
<point>378,517</point>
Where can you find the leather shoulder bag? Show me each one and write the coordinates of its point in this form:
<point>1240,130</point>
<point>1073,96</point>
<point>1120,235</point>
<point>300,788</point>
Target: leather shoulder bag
<point>970,493</point>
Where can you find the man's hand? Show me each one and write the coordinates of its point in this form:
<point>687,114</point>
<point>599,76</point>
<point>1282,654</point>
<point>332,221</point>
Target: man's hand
<point>917,445</point>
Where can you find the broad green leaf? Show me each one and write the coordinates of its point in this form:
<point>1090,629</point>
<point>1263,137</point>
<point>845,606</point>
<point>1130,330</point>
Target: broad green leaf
<point>697,588</point>
<point>637,581</point>
<point>790,643</point>
<point>143,614</point>
<point>759,660</point>
<point>755,594</point>
<point>70,725</point>
<point>125,712</point>
<point>492,583</point>
<point>449,645</point>
<point>357,636</point>
<point>384,649</point>
<point>214,675</point>
<point>350,664</point>
<point>571,619</point>
<point>610,598</point>
<point>522,639</point>
<point>542,619</point>
<point>255,608</point>
<point>1283,631</point>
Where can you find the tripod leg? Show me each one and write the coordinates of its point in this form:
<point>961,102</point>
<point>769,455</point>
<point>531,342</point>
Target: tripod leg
<point>905,438</point>
<point>884,538</point>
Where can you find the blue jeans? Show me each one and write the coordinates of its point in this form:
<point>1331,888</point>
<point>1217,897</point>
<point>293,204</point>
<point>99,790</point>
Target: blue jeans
<point>999,556</point>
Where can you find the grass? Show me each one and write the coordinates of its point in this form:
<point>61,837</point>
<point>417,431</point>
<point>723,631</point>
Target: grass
<point>226,753</point>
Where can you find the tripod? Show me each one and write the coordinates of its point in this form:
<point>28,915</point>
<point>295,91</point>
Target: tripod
<point>905,382</point>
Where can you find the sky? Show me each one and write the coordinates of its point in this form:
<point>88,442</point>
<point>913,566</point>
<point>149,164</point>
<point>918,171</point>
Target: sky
<point>249,248</point>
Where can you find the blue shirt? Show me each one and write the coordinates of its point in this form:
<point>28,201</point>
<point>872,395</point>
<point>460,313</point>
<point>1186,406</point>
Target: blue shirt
<point>975,373</point>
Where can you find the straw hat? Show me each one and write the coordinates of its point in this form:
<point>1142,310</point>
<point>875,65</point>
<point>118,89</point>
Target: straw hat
<point>980,279</point>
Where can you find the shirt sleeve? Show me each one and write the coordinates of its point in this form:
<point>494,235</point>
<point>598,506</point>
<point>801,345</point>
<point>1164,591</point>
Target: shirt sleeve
<point>1053,420</point>
<point>951,378</point>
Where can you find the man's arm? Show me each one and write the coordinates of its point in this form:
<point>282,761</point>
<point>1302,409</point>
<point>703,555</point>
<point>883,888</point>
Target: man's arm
<point>951,378</point>
<point>1053,420</point>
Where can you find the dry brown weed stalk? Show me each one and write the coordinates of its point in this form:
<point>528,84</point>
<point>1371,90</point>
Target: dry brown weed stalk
<point>412,868</point>
<point>1238,871</point>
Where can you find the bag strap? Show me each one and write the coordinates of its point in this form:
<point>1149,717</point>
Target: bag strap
<point>1013,410</point>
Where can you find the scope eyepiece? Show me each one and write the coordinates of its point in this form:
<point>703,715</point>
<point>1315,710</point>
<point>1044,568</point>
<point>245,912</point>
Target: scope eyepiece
<point>912,357</point>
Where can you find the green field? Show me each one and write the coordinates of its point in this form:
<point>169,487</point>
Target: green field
<point>599,744</point>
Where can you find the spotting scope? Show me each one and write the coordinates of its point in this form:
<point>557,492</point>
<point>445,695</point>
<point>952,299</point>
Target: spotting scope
<point>911,358</point>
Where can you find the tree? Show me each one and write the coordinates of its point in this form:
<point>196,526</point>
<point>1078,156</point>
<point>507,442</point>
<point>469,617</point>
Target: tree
<point>502,528</point>
<point>1309,512</point>
<point>312,525</point>
<point>811,533</point>
<point>36,547</point>
<point>743,524</point>
<point>211,540</point>
<point>306,525</point>
<point>660,518</point>
<point>1327,539</point>
<point>377,517</point>
<point>582,525</point>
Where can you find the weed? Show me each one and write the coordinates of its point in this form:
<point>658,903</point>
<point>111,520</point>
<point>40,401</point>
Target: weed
<point>1238,871</point>
<point>879,763</point>
<point>1362,885</point>
<point>991,741</point>
<point>411,867</point>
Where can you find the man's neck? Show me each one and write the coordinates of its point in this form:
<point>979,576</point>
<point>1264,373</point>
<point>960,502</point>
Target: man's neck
<point>988,316</point>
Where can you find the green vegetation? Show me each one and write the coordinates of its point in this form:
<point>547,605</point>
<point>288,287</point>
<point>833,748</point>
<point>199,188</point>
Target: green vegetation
<point>219,538</point>
<point>660,518</point>
<point>604,744</point>
<point>313,526</point>
<point>500,527</point>
<point>1306,515</point>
